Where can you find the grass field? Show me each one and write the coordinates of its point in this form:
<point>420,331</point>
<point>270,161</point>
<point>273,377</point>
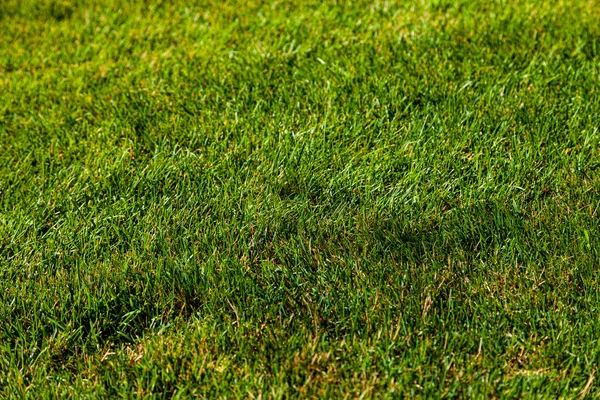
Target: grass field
<point>299,198</point>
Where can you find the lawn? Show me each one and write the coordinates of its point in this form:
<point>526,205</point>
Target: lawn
<point>299,198</point>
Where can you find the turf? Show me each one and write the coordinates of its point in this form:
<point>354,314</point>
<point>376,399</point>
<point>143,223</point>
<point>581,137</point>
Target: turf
<point>299,199</point>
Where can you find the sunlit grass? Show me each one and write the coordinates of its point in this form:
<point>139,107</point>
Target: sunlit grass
<point>303,199</point>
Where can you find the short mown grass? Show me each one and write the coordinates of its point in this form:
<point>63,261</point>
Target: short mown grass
<point>299,198</point>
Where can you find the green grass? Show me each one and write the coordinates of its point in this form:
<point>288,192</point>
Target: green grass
<point>299,199</point>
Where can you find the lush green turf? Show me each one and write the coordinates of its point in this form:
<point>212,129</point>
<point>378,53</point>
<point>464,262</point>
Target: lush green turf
<point>297,198</point>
